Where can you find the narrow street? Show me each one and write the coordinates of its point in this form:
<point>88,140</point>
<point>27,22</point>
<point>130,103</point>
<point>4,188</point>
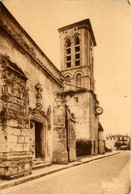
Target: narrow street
<point>110,175</point>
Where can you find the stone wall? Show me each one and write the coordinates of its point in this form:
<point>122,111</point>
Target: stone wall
<point>94,121</point>
<point>79,105</point>
<point>36,74</point>
<point>85,76</point>
<point>64,138</point>
<point>71,135</point>
<point>23,99</point>
<point>83,104</point>
<point>60,151</point>
<point>14,130</point>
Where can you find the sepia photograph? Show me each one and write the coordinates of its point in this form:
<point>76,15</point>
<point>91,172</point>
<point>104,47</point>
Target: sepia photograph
<point>65,88</point>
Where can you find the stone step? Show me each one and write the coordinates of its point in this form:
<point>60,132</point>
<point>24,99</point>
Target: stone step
<point>38,162</point>
<point>37,159</point>
<point>40,165</point>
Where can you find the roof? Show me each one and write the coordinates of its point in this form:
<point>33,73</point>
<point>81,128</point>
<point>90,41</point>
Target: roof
<point>117,135</point>
<point>80,23</point>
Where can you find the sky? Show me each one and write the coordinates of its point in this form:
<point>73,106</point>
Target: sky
<point>110,20</point>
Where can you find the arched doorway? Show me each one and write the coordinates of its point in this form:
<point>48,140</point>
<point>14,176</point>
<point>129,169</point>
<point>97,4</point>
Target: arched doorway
<point>38,134</point>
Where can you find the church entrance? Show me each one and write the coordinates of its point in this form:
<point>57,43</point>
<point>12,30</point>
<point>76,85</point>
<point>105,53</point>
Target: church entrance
<point>37,139</point>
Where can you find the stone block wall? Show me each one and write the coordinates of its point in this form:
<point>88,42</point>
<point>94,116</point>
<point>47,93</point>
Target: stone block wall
<point>60,154</point>
<point>71,137</point>
<point>64,134</point>
<point>14,129</point>
<point>15,164</point>
<point>82,104</point>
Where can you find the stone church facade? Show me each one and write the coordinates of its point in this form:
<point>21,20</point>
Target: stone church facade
<point>44,111</point>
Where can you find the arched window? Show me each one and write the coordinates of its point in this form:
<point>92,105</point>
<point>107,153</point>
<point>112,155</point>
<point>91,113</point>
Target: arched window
<point>78,79</point>
<point>68,52</point>
<point>77,50</point>
<point>67,78</point>
<point>77,41</point>
<point>68,42</point>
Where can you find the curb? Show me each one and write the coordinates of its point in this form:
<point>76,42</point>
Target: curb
<point>26,179</point>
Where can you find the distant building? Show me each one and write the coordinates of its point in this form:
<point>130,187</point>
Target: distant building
<point>120,139</point>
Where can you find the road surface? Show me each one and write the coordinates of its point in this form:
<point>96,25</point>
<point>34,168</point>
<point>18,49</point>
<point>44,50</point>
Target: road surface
<point>110,175</point>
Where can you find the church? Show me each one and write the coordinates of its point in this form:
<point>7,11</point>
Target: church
<point>46,115</point>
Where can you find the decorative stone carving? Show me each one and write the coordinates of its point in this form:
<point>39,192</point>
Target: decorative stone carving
<point>39,90</point>
<point>49,117</point>
<point>70,115</point>
<point>4,89</point>
<point>37,113</point>
<point>27,96</point>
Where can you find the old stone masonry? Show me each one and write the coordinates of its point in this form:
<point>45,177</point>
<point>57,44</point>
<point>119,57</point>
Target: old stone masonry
<point>46,115</point>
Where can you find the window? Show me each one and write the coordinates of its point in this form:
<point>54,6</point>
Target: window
<point>68,43</point>
<point>77,41</point>
<point>68,58</point>
<point>77,63</point>
<point>67,78</point>
<point>77,51</point>
<point>77,56</point>
<point>68,64</point>
<point>68,53</point>
<point>78,79</point>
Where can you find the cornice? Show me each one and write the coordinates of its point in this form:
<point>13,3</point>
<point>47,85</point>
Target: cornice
<point>74,68</point>
<point>85,24</point>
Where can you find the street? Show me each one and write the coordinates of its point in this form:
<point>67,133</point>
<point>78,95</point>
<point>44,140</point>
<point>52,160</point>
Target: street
<point>110,175</point>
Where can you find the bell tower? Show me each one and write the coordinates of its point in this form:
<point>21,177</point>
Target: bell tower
<point>77,42</point>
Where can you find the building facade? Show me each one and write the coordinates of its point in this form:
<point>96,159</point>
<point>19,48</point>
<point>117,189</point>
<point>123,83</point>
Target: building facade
<point>44,111</point>
<point>121,140</point>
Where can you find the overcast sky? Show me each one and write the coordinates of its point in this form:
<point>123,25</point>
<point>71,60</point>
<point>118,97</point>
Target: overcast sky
<point>110,21</point>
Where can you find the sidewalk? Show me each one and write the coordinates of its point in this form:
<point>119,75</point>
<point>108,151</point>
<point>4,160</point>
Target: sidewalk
<point>51,169</point>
